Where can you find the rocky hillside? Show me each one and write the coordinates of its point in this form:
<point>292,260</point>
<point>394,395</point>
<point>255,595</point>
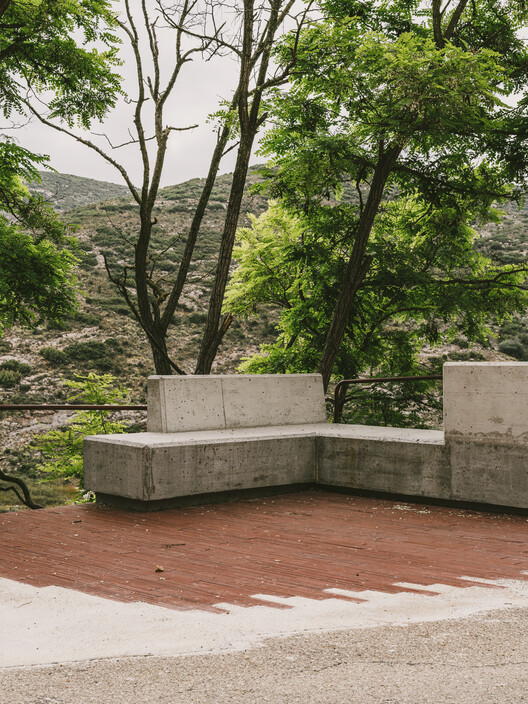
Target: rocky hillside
<point>103,337</point>
<point>66,192</point>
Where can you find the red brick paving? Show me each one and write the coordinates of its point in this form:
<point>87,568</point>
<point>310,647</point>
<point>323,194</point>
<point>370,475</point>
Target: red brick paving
<point>290,545</point>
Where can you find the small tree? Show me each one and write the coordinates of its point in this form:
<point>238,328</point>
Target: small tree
<point>246,31</point>
<point>63,449</point>
<point>425,284</point>
<point>40,53</point>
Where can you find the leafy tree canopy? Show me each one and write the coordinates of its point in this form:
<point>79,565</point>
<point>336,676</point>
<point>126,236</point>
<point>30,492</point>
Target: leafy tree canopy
<point>394,98</point>
<point>36,277</point>
<point>40,54</point>
<point>425,284</point>
<point>50,45</point>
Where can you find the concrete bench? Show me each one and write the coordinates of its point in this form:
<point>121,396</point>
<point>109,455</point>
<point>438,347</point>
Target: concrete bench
<point>215,434</point>
<point>211,434</point>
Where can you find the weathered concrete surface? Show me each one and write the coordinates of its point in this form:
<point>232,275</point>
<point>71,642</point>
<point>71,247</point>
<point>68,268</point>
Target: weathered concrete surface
<point>155,466</point>
<point>486,402</point>
<point>461,661</point>
<point>486,431</point>
<point>489,473</point>
<point>181,403</point>
<point>401,461</point>
<point>52,624</point>
<point>461,647</point>
<point>482,457</point>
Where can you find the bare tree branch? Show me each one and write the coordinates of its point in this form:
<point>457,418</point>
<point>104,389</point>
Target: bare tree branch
<point>25,496</point>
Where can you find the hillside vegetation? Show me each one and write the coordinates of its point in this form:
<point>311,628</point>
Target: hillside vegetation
<point>103,337</point>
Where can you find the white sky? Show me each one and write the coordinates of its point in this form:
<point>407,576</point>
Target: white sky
<point>199,90</point>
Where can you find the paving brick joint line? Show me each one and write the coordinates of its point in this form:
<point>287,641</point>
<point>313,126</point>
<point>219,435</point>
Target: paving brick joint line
<point>291,545</point>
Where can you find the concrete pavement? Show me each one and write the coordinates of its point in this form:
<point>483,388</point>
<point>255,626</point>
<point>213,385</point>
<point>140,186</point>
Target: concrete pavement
<point>463,645</point>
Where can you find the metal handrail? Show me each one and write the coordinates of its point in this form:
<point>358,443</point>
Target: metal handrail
<point>70,407</point>
<point>372,380</point>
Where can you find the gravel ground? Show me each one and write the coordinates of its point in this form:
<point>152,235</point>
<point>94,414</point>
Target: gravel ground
<point>479,659</point>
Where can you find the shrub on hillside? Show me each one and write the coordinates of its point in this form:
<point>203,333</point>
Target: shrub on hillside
<point>55,357</point>
<point>9,378</point>
<point>16,366</point>
<point>513,348</point>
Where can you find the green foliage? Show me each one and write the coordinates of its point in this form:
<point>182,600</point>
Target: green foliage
<point>64,46</point>
<point>55,357</point>
<point>9,378</point>
<point>382,103</point>
<point>14,365</point>
<point>416,404</point>
<point>87,319</point>
<point>62,450</point>
<point>426,284</point>
<point>466,356</point>
<point>47,48</point>
<point>91,354</point>
<point>11,373</point>
<point>36,277</point>
<point>513,348</point>
<point>86,351</point>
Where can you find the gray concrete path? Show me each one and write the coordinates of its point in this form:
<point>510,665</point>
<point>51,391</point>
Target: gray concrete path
<point>463,646</point>
<point>480,659</point>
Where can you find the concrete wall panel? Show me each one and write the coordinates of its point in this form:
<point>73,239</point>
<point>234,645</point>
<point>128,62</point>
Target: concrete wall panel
<point>486,402</point>
<point>198,469</point>
<point>216,434</point>
<point>256,400</point>
<point>415,469</point>
<point>187,403</point>
<point>489,473</point>
<point>117,468</point>
<point>182,403</point>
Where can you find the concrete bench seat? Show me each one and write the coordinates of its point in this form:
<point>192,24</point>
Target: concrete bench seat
<point>161,466</point>
<point>210,435</point>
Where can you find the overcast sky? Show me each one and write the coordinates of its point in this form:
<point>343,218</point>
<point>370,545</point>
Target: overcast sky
<point>198,92</point>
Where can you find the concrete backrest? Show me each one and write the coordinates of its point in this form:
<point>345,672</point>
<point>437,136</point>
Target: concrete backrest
<point>187,403</point>
<point>486,402</point>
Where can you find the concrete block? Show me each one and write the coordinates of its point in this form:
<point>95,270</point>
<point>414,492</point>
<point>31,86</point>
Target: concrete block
<point>117,465</point>
<point>256,400</point>
<point>217,434</point>
<point>185,470</point>
<point>156,466</point>
<point>486,402</point>
<point>491,473</point>
<point>389,460</point>
<point>182,403</point>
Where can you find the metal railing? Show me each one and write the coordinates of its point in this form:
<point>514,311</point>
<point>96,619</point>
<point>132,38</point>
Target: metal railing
<point>69,407</point>
<point>340,389</point>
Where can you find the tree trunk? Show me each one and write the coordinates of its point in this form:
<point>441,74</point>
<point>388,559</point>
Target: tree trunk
<point>25,496</point>
<point>214,332</point>
<point>248,120</point>
<point>158,345</point>
<point>358,264</point>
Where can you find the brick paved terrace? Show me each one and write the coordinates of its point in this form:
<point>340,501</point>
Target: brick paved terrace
<point>301,544</point>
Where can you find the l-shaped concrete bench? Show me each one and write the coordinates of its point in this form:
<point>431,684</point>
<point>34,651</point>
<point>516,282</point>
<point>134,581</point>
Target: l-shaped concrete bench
<point>207,435</point>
